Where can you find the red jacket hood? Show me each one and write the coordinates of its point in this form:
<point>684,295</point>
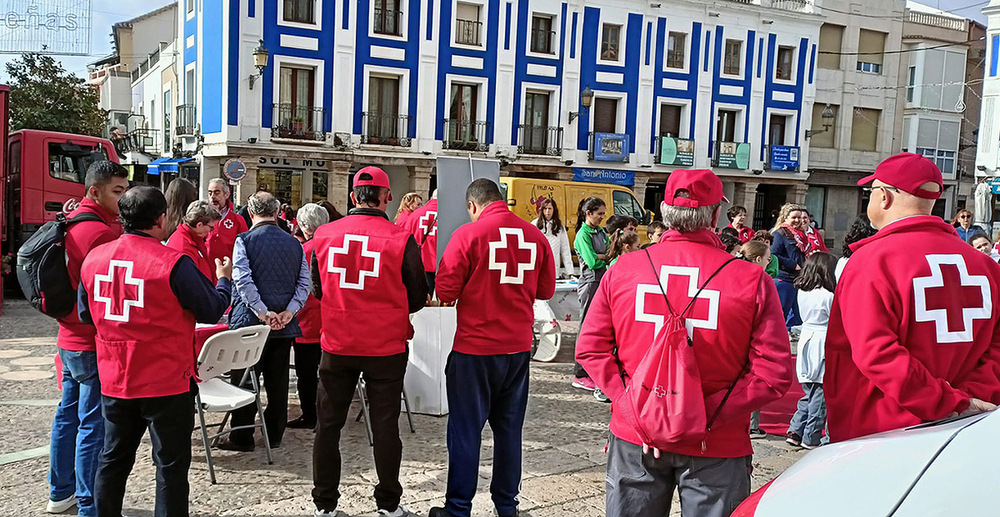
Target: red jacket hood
<point>920,223</point>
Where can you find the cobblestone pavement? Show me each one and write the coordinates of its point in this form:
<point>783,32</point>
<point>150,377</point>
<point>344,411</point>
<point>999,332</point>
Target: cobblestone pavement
<point>564,438</point>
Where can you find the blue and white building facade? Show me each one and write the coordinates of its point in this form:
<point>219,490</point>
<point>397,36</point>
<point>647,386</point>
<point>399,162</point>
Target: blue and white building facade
<point>552,88</point>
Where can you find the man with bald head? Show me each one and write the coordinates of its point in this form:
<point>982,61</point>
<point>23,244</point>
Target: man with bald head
<point>222,238</point>
<point>911,335</point>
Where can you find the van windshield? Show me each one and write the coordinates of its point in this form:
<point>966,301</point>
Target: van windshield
<point>69,162</point>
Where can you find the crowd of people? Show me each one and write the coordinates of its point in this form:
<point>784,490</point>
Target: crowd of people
<point>686,336</point>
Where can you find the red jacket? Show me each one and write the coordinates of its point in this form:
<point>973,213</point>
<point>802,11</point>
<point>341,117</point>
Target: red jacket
<point>422,224</point>
<point>223,237</point>
<point>496,268</point>
<point>745,233</point>
<point>913,330</point>
<point>744,328</point>
<point>310,319</point>
<point>402,216</point>
<point>81,238</point>
<point>145,339</point>
<point>364,303</point>
<point>185,241</point>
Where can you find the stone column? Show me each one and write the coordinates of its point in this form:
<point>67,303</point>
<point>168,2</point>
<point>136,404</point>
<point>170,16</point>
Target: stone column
<point>746,193</point>
<point>420,181</point>
<point>639,188</point>
<point>247,186</point>
<point>797,193</point>
<point>338,183</point>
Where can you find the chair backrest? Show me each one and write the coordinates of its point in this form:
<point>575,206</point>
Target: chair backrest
<point>231,350</point>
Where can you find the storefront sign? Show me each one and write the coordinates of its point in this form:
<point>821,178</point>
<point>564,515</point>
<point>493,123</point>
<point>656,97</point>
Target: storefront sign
<point>733,155</point>
<point>784,158</point>
<point>290,163</point>
<point>610,147</point>
<point>234,169</point>
<point>613,177</point>
<point>676,151</point>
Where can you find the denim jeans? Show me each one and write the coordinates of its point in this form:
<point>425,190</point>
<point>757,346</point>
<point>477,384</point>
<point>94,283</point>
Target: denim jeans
<point>809,419</point>
<point>77,432</point>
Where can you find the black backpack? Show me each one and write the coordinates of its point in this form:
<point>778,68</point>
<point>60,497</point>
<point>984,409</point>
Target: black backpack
<point>41,267</point>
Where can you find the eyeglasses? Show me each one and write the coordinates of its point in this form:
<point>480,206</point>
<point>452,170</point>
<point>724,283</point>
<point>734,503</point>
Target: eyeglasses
<point>966,216</point>
<point>869,190</point>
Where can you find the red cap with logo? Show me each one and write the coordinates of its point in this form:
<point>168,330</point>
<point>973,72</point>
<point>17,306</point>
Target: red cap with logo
<point>703,188</point>
<point>907,172</point>
<point>372,176</point>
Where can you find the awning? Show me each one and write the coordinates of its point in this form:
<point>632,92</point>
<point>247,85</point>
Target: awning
<point>165,165</point>
<point>153,167</point>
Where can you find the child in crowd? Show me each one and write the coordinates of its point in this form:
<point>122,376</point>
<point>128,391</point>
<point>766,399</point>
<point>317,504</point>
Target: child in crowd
<point>816,285</point>
<point>621,242</point>
<point>757,252</point>
<point>732,242</point>
<point>772,266</point>
<point>654,231</point>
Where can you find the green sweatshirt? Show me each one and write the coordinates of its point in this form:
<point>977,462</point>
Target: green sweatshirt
<point>584,246</point>
<point>772,268</point>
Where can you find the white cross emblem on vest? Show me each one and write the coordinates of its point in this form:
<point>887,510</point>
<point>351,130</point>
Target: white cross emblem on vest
<point>502,265</point>
<point>710,321</point>
<point>940,316</point>
<point>429,218</point>
<point>124,291</point>
<point>361,241</point>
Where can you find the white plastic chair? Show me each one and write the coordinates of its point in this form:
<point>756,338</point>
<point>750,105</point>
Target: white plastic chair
<point>229,350</point>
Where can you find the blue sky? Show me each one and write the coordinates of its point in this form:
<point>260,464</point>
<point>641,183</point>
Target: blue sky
<point>108,12</point>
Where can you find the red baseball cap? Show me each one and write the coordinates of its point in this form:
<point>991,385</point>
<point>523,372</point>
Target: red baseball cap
<point>907,172</point>
<point>703,187</point>
<point>373,176</point>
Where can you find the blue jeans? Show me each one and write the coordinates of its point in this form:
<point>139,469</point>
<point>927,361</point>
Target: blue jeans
<point>789,297</point>
<point>77,432</point>
<point>810,416</point>
<point>481,389</point>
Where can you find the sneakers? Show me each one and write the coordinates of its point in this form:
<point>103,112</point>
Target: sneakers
<point>600,396</point>
<point>61,506</point>
<point>807,447</point>
<point>793,439</point>
<point>756,434</point>
<point>584,383</point>
<point>438,511</point>
<point>327,513</point>
<point>400,511</point>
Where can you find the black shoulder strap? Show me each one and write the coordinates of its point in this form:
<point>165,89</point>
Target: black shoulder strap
<point>84,217</point>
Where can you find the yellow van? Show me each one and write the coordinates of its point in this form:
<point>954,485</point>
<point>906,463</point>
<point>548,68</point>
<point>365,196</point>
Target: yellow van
<point>525,195</point>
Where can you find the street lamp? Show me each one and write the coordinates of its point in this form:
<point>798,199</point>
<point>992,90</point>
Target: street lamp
<point>586,98</point>
<point>260,55</point>
<point>827,117</point>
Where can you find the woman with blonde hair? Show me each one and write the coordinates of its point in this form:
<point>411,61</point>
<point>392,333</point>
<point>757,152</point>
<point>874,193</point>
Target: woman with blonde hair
<point>791,247</point>
<point>963,224</point>
<point>410,202</point>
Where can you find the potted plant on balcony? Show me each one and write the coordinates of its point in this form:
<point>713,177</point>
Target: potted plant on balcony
<point>297,123</point>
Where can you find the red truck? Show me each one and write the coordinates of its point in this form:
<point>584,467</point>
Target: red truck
<point>41,175</point>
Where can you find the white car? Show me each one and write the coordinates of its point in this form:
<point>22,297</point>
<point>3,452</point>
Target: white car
<point>946,468</point>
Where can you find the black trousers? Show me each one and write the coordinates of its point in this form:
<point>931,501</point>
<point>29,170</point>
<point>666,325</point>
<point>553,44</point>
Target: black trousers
<point>273,364</point>
<point>338,379</point>
<point>431,276</point>
<point>170,421</point>
<point>307,356</point>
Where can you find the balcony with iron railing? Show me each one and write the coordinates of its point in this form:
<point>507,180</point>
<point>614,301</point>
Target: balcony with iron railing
<point>539,140</point>
<point>670,150</point>
<point>609,147</point>
<point>467,32</point>
<point>187,120</point>
<point>298,122</point>
<point>144,141</point>
<point>781,158</point>
<point>147,64</point>
<point>380,128</point>
<point>388,22</point>
<point>465,135</point>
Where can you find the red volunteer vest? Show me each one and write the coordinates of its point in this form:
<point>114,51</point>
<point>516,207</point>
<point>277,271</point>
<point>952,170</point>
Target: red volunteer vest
<point>145,339</point>
<point>187,242</point>
<point>310,320</point>
<point>422,224</point>
<point>364,307</point>
<point>223,237</point>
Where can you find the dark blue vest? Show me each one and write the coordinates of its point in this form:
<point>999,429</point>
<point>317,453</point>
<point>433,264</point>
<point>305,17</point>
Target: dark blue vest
<point>275,262</point>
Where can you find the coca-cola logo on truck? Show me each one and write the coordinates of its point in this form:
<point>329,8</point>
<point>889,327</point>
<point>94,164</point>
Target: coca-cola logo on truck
<point>70,205</point>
